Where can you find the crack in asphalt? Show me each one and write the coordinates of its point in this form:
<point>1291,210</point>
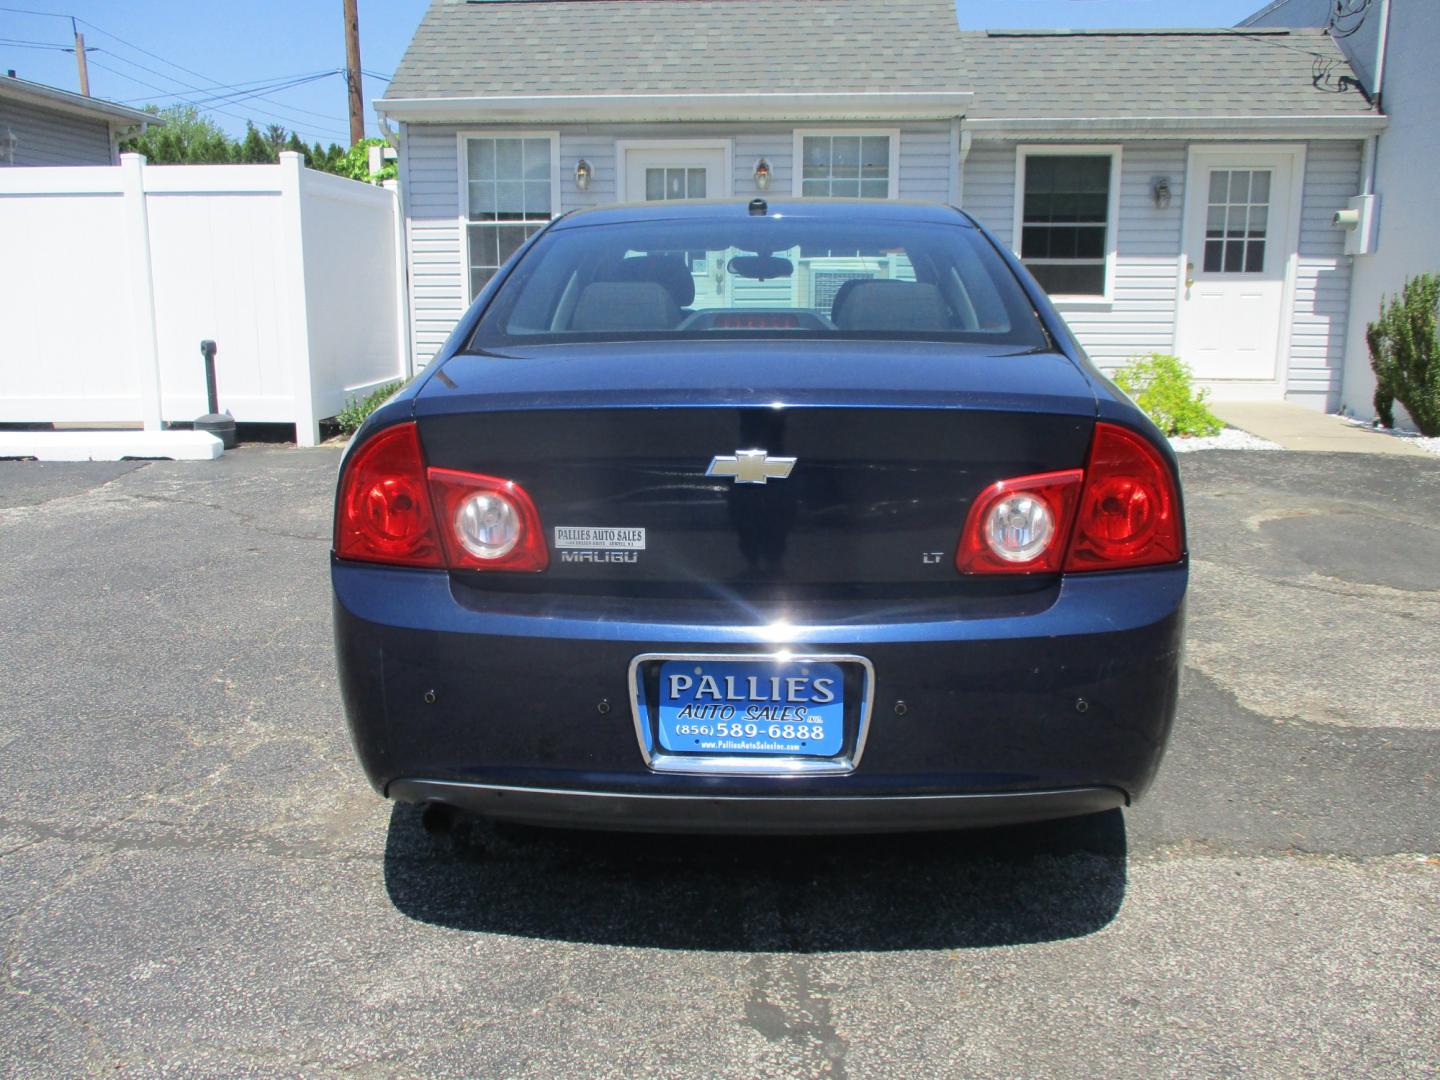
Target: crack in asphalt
<point>177,836</point>
<point>99,493</point>
<point>245,519</point>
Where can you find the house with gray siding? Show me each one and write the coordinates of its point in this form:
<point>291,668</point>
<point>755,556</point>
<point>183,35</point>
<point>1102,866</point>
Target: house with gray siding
<point>1391,45</point>
<point>42,125</point>
<point>1174,190</point>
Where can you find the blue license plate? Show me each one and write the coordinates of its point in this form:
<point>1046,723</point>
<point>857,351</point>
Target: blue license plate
<point>790,708</point>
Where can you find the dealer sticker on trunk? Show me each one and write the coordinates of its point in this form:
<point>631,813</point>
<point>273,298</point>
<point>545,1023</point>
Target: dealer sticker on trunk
<point>599,538</point>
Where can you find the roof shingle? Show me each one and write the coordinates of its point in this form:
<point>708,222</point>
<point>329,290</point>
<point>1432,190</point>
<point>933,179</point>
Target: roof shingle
<point>464,49</point>
<point>1148,73</point>
<point>505,48</point>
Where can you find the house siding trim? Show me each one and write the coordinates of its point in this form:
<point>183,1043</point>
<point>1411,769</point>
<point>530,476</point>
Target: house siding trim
<point>896,105</point>
<point>46,137</point>
<point>1320,310</point>
<point>1112,211</point>
<point>1137,128</point>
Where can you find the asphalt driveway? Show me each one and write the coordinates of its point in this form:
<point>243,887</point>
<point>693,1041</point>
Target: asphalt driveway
<point>195,879</point>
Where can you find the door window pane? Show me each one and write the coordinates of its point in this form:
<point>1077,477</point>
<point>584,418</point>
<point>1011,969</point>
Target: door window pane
<point>1065,222</point>
<point>845,166</point>
<point>674,183</point>
<point>1237,221</point>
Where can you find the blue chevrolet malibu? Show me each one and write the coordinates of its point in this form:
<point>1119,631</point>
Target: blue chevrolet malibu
<point>789,517</point>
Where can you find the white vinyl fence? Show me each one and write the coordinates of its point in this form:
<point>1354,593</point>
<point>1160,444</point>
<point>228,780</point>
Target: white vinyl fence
<point>110,277</point>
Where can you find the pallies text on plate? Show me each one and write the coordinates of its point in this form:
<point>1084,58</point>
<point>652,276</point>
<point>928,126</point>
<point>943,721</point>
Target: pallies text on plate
<point>599,538</point>
<point>755,688</point>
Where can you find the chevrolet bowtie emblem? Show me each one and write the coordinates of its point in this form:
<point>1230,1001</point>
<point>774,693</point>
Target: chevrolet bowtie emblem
<point>750,466</point>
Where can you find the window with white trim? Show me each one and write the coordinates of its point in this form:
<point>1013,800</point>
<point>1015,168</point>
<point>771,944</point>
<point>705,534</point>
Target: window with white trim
<point>1065,220</point>
<point>509,196</point>
<point>845,166</point>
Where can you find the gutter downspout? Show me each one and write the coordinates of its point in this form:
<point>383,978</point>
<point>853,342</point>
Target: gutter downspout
<point>1367,170</point>
<point>1380,47</point>
<point>961,139</point>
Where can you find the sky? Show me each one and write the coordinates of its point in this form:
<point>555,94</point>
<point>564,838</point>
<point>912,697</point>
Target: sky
<point>277,61</point>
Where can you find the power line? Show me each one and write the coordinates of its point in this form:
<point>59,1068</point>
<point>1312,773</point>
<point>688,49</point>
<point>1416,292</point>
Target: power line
<point>279,114</point>
<point>314,136</point>
<point>259,92</point>
<point>254,84</point>
<point>238,92</point>
<point>31,11</point>
<point>35,45</point>
<point>199,75</point>
<point>204,103</point>
<point>1266,39</point>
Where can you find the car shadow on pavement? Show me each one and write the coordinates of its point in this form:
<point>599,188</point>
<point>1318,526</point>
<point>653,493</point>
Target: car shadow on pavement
<point>987,887</point>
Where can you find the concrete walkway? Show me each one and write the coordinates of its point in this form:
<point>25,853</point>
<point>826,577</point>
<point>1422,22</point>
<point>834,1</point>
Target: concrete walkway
<point>1297,428</point>
<point>110,445</point>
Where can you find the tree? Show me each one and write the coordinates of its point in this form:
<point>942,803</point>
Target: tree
<point>1405,354</point>
<point>254,150</point>
<point>325,160</point>
<point>186,136</point>
<point>275,138</point>
<point>355,163</point>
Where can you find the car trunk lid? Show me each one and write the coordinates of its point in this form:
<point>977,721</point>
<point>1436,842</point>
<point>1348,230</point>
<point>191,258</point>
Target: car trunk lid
<point>646,462</point>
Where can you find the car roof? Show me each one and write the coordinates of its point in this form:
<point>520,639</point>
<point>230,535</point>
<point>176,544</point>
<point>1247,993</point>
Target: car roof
<point>839,210</point>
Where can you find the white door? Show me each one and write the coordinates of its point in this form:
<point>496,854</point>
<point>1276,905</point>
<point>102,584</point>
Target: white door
<point>1240,231</point>
<point>653,173</point>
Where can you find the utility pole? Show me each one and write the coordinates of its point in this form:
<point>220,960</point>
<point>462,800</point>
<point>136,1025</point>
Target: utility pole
<point>80,59</point>
<point>352,71</point>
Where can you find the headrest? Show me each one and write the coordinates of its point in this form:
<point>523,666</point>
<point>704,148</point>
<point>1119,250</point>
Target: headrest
<point>889,305</point>
<point>611,306</point>
<point>667,269</point>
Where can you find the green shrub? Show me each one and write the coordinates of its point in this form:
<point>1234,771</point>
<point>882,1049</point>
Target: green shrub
<point>1405,354</point>
<point>357,409</point>
<point>1160,385</point>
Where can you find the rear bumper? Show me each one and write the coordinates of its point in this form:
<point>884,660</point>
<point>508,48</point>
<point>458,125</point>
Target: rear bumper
<point>740,814</point>
<point>518,706</point>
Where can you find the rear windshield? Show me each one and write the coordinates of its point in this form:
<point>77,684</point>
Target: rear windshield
<point>761,277</point>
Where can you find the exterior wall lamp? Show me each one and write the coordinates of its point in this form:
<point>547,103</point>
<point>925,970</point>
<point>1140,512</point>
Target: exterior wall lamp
<point>762,175</point>
<point>583,172</point>
<point>1160,192</point>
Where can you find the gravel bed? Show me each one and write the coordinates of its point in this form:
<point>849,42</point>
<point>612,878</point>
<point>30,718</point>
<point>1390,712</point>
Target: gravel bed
<point>1429,444</point>
<point>1229,439</point>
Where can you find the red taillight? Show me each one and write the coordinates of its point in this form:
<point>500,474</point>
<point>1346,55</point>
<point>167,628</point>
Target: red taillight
<point>1129,512</point>
<point>383,513</point>
<point>1020,526</point>
<point>1121,511</point>
<point>488,523</point>
<point>392,509</point>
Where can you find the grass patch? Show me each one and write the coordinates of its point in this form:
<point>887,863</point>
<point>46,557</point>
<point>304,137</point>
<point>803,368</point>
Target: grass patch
<point>356,410</point>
